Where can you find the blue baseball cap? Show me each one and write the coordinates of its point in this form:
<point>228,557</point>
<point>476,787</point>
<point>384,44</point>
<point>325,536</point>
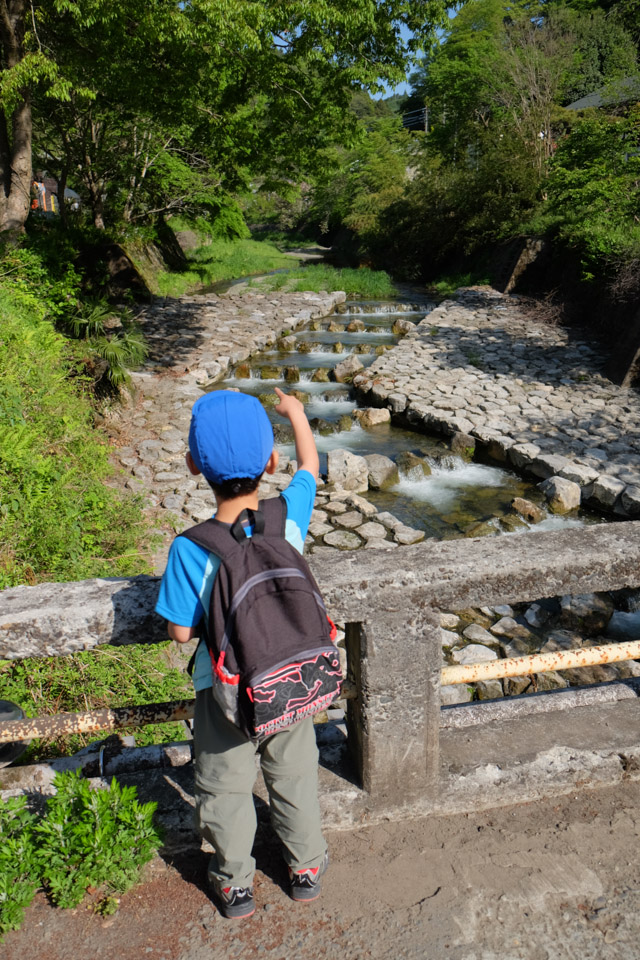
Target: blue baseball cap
<point>230,436</point>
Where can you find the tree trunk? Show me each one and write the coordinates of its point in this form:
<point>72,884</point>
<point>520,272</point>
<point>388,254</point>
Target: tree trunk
<point>62,186</point>
<point>15,153</point>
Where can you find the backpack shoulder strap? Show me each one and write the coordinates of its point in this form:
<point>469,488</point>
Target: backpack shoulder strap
<point>213,536</point>
<point>274,511</point>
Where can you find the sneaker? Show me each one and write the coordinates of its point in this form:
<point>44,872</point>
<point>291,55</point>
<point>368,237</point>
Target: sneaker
<point>236,902</point>
<point>305,885</point>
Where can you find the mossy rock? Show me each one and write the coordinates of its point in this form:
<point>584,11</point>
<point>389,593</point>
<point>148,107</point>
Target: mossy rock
<point>321,375</point>
<point>323,427</point>
<point>243,371</point>
<point>300,395</point>
<point>480,529</point>
<point>381,348</point>
<point>338,347</point>
<point>268,399</point>
<point>271,373</point>
<point>292,374</point>
<point>362,348</point>
<point>412,466</point>
<point>283,433</point>
<point>335,327</point>
<point>306,346</point>
<point>345,422</point>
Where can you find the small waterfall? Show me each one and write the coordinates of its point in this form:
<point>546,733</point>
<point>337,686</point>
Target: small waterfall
<point>372,308</point>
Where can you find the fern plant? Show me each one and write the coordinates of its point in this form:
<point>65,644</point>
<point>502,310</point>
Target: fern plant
<point>112,336</point>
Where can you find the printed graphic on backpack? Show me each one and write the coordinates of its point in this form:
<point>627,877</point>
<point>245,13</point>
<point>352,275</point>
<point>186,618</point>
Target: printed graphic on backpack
<point>292,691</point>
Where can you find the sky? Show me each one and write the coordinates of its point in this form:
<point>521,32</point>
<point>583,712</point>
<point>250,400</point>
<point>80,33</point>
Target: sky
<point>404,87</point>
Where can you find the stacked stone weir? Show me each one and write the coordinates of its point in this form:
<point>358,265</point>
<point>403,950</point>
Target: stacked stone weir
<point>531,394</point>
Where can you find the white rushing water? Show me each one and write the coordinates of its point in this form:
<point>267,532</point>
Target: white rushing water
<point>443,488</point>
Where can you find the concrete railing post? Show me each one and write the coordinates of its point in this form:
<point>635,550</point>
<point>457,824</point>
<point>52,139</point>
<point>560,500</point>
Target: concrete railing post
<point>393,725</point>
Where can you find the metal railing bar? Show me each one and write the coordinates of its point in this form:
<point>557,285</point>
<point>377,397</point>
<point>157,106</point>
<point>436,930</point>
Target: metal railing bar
<point>540,663</point>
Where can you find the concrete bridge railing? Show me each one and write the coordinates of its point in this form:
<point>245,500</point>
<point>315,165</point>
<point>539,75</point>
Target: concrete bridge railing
<point>390,602</point>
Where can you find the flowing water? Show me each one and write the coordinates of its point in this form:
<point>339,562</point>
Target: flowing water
<point>457,498</point>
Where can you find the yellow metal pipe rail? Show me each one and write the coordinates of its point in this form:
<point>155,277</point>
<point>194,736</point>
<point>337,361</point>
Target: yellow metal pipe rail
<point>541,663</point>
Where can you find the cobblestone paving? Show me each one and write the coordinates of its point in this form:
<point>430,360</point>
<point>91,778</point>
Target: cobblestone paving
<point>532,394</point>
<point>194,341</point>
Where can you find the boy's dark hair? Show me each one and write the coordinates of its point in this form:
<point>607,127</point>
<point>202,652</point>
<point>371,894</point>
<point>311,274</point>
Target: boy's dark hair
<point>235,487</point>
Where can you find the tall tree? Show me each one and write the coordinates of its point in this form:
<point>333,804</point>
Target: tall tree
<point>261,85</point>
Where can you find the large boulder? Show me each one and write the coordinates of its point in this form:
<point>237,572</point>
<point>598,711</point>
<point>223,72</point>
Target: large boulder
<point>382,471</point>
<point>345,371</point>
<point>587,613</point>
<point>563,495</point>
<point>348,470</point>
<point>412,466</point>
<point>372,416</point>
<point>463,445</point>
<point>528,510</point>
<point>402,326</point>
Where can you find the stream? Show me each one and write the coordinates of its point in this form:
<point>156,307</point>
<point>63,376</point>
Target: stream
<point>457,498</point>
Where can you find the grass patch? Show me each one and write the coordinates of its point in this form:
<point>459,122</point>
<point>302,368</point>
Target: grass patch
<point>218,260</point>
<point>93,680</point>
<point>364,282</point>
<point>447,285</point>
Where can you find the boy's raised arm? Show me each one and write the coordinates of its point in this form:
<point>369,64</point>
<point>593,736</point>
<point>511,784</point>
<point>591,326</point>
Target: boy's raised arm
<point>306,453</point>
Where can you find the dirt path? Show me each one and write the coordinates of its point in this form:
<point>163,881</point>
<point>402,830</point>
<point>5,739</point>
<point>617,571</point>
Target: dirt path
<point>555,880</point>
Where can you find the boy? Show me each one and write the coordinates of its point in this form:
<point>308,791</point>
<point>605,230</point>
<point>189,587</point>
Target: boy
<point>231,444</point>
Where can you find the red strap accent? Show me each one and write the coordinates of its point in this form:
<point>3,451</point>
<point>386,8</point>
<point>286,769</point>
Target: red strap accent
<point>333,633</point>
<point>223,675</point>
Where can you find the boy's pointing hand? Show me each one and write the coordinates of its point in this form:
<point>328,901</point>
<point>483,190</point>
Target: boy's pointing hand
<point>287,406</point>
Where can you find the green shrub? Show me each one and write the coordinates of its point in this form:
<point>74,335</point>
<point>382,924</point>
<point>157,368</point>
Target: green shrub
<point>86,838</point>
<point>93,838</point>
<point>19,875</point>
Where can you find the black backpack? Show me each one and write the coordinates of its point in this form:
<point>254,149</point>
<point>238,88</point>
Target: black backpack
<point>271,642</point>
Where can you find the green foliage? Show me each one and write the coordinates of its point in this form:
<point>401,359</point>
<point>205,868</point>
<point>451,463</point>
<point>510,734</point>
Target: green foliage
<point>19,875</point>
<point>494,85</point>
<point>156,107</point>
<point>94,680</point>
<point>93,838</point>
<point>86,838</point>
<point>593,187</point>
<point>43,268</point>
<point>58,520</point>
<point>446,286</point>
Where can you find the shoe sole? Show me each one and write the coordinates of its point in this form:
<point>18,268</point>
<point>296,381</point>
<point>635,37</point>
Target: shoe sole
<point>237,916</point>
<point>231,912</point>
<point>315,895</point>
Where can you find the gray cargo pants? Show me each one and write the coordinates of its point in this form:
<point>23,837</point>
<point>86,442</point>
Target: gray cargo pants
<point>225,772</point>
